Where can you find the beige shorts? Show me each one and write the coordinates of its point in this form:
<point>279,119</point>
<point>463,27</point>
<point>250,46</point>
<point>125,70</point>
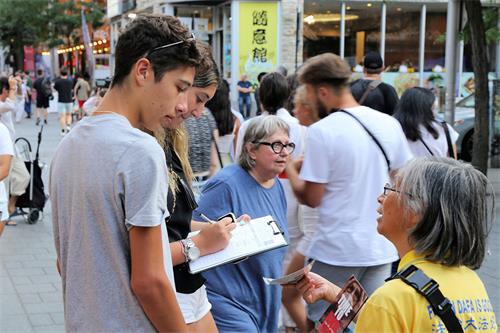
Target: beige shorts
<point>194,306</point>
<point>19,177</point>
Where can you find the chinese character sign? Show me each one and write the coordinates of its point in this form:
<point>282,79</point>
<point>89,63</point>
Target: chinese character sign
<point>258,38</point>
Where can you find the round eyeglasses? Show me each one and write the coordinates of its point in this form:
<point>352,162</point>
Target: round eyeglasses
<point>278,146</point>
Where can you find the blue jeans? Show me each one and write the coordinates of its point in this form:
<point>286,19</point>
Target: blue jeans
<point>245,101</point>
<point>27,108</point>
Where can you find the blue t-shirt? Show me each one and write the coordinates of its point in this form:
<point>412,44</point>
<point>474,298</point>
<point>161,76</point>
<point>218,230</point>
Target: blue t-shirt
<point>244,84</point>
<point>241,301</point>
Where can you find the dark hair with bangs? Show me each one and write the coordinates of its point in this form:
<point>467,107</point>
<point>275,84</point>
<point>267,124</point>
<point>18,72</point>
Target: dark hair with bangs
<point>147,32</point>
<point>414,110</point>
<point>273,92</point>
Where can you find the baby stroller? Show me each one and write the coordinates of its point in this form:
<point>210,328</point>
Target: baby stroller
<point>34,197</point>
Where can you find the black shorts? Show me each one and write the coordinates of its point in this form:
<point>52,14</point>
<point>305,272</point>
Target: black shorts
<point>42,102</point>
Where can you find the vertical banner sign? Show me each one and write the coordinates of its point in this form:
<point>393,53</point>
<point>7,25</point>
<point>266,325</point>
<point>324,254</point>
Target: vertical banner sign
<point>29,59</point>
<point>258,39</point>
<point>88,48</point>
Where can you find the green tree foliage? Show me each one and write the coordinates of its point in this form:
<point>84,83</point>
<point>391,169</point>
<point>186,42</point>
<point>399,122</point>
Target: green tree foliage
<point>65,21</point>
<point>22,23</point>
<point>492,34</point>
<point>48,22</point>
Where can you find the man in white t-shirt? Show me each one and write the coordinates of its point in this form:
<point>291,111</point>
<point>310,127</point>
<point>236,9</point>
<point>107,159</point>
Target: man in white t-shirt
<point>108,187</point>
<point>343,172</point>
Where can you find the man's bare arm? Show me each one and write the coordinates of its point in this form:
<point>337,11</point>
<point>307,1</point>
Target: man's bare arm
<point>307,193</point>
<point>149,281</point>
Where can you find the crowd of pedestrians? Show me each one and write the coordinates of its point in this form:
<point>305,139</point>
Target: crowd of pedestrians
<point>355,177</point>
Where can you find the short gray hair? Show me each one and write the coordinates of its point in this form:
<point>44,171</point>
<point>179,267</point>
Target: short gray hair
<point>259,128</point>
<point>452,201</point>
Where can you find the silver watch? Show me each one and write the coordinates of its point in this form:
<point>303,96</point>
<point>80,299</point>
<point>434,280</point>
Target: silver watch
<point>191,251</point>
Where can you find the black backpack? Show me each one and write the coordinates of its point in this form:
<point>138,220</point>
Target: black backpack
<point>46,87</point>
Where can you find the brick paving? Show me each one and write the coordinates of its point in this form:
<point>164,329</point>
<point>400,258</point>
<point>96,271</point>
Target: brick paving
<point>30,287</point>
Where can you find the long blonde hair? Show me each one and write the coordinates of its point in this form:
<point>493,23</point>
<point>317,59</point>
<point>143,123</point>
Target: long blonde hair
<point>178,140</point>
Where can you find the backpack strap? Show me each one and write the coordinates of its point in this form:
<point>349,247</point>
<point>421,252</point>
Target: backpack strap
<point>372,136</point>
<point>448,139</point>
<point>371,86</point>
<point>427,287</point>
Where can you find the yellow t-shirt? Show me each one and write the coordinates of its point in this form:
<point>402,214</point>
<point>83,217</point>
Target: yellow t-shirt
<point>397,307</point>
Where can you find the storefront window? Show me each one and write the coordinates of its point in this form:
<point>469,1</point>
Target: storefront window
<point>435,43</point>
<point>362,30</point>
<point>402,37</point>
<point>197,18</point>
<point>321,27</point>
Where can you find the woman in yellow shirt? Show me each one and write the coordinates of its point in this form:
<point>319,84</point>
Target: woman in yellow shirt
<point>437,216</point>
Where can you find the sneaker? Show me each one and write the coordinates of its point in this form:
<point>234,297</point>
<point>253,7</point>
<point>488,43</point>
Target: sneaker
<point>68,128</point>
<point>37,121</point>
<point>45,121</point>
<point>63,132</point>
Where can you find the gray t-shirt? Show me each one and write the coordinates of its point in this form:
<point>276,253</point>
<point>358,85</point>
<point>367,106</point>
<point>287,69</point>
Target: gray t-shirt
<point>106,177</point>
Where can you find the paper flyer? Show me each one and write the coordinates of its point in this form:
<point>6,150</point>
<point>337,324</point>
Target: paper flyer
<point>341,312</point>
<point>291,278</point>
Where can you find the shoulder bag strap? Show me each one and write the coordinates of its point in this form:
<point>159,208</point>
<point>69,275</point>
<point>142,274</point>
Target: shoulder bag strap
<point>448,139</point>
<point>426,147</point>
<point>427,287</point>
<point>373,137</point>
<point>372,86</point>
<point>217,149</point>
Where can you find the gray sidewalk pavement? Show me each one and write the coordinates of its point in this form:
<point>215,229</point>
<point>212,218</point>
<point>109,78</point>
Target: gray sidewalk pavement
<point>30,287</point>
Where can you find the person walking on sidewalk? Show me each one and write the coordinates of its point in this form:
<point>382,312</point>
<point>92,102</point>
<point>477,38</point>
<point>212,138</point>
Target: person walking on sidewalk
<point>350,155</point>
<point>109,184</point>
<point>43,89</point>
<point>64,86</point>
<point>82,94</point>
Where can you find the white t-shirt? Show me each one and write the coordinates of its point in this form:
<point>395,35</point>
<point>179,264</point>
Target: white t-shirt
<point>6,148</point>
<point>341,155</point>
<point>294,134</point>
<point>439,146</point>
<point>7,109</point>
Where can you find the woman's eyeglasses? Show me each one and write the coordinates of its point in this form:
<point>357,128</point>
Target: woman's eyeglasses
<point>388,188</point>
<point>278,146</point>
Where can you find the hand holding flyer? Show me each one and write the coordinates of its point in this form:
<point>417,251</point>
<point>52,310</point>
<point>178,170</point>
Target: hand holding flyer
<point>291,278</point>
<point>341,312</point>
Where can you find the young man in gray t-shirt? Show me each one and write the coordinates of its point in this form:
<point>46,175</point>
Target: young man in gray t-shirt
<point>108,187</point>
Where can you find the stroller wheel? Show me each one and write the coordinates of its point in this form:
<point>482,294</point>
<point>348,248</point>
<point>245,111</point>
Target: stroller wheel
<point>33,216</point>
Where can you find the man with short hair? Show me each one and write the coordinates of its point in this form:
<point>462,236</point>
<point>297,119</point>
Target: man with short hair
<point>371,91</point>
<point>343,172</point>
<point>109,184</point>
<point>43,95</point>
<point>244,88</point>
<point>64,87</point>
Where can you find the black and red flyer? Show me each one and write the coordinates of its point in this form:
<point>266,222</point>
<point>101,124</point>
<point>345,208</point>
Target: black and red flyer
<point>341,312</point>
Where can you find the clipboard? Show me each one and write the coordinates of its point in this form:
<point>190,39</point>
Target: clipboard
<point>257,236</point>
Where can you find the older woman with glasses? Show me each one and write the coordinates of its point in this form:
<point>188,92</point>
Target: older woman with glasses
<point>241,301</point>
<point>437,215</point>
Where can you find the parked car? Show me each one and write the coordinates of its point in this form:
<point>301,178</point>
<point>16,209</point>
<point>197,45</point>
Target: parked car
<point>464,125</point>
